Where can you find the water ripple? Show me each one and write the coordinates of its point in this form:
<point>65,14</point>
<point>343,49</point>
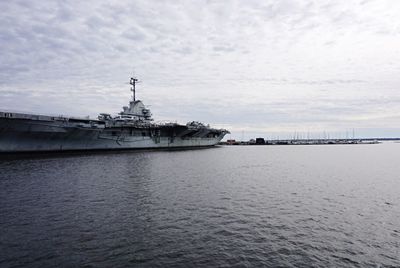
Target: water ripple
<point>302,206</point>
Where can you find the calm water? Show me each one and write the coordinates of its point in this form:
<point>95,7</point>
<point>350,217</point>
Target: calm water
<point>276,206</point>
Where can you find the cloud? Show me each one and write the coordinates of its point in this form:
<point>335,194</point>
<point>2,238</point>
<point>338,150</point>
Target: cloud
<point>134,34</point>
<point>265,65</point>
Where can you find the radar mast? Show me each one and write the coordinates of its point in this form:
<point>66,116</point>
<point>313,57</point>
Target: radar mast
<point>133,82</point>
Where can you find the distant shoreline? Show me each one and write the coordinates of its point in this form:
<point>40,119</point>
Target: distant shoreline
<point>262,141</point>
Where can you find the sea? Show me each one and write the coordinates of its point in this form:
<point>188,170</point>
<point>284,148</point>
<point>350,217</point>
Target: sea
<point>228,206</point>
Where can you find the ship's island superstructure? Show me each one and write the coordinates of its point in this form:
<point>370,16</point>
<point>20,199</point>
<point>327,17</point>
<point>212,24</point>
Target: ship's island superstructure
<point>133,128</point>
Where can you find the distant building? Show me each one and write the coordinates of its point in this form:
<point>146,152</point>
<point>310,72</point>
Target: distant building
<point>260,141</point>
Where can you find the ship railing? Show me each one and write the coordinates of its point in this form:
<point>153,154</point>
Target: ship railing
<point>165,123</point>
<point>129,123</point>
<point>24,114</point>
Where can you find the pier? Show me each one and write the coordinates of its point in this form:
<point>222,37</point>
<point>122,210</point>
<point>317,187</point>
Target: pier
<point>262,141</point>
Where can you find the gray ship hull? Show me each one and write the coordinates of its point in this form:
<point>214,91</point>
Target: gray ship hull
<point>36,133</point>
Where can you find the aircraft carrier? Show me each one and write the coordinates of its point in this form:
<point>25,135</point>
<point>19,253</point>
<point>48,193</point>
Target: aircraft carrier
<point>133,128</point>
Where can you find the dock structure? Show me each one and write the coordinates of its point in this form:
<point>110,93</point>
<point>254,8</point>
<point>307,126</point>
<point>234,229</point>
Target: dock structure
<point>262,141</point>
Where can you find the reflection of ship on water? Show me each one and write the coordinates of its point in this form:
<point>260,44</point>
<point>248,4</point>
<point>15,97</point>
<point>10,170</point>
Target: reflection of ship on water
<point>133,128</point>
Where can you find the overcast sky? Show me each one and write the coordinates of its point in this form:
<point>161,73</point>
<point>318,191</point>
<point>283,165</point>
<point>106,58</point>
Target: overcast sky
<point>258,68</point>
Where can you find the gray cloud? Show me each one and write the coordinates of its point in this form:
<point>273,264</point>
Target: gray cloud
<point>265,65</point>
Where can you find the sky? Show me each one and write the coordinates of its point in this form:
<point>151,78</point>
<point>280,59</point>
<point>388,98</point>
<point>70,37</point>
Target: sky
<point>273,69</point>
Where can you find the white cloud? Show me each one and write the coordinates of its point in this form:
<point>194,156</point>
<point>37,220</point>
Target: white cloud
<point>264,66</point>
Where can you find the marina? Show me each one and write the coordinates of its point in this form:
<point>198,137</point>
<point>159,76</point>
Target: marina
<point>262,141</point>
